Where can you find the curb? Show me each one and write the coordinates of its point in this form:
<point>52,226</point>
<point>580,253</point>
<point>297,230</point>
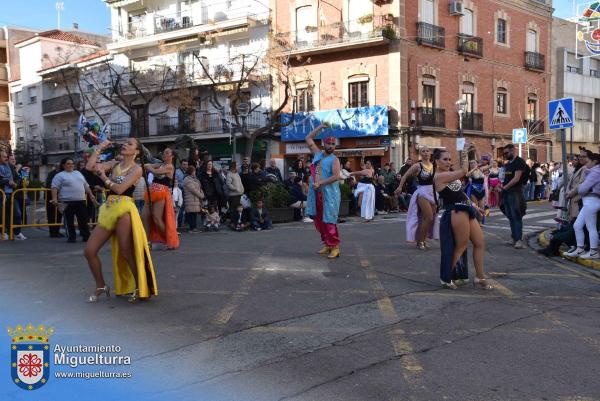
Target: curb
<point>593,264</point>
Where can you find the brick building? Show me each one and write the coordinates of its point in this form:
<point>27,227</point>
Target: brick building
<point>493,55</point>
<point>346,55</point>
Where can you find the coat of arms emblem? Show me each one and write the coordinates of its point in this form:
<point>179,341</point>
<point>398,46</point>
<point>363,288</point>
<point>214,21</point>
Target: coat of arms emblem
<point>30,355</point>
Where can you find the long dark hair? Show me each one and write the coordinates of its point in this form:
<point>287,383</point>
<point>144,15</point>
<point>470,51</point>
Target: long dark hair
<point>435,156</point>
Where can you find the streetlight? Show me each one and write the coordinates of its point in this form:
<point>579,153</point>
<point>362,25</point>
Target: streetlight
<point>242,111</point>
<point>461,106</point>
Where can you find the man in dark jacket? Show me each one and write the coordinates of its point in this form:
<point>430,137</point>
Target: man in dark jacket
<point>273,169</point>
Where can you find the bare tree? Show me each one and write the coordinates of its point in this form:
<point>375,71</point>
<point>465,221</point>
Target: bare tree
<point>275,70</point>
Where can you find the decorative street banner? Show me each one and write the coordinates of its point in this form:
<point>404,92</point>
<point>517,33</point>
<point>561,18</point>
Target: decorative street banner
<point>345,123</point>
<point>588,31</point>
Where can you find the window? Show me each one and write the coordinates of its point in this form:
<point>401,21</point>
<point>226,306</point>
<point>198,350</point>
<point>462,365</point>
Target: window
<point>467,21</point>
<point>468,95</point>
<point>359,94</point>
<point>573,64</point>
<point>32,94</point>
<point>428,97</point>
<point>21,133</point>
<point>33,131</point>
<point>531,108</point>
<point>428,11</point>
<point>304,99</point>
<point>501,31</point>
<point>90,88</point>
<point>595,67</point>
<point>17,100</point>
<point>305,24</point>
<point>501,101</point>
<point>532,41</point>
<point>583,111</point>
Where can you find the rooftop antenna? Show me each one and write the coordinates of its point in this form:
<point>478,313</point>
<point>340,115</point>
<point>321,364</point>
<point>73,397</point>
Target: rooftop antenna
<point>60,6</point>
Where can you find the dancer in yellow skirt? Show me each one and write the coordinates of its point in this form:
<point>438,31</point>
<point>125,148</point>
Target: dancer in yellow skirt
<point>119,219</point>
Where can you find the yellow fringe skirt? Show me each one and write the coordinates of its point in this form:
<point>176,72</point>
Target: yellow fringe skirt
<point>114,208</point>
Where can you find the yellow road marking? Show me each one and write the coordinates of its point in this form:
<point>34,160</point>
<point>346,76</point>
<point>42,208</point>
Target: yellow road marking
<point>401,345</point>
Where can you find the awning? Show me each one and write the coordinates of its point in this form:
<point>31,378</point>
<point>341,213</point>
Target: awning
<point>360,152</point>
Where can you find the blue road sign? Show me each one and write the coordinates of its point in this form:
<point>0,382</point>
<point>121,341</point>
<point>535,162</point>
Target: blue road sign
<point>560,113</point>
<point>519,135</point>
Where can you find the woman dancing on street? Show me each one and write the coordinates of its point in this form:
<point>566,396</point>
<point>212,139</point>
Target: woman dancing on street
<point>477,184</point>
<point>160,222</point>
<point>458,225</point>
<point>493,181</point>
<point>421,220</point>
<point>119,219</point>
<point>365,191</point>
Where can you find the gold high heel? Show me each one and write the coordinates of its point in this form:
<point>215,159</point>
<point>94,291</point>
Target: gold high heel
<point>135,296</point>
<point>99,291</point>
<point>481,284</point>
<point>335,253</point>
<point>325,250</point>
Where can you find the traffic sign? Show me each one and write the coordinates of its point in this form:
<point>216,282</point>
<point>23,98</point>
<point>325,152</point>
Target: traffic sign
<point>560,113</point>
<point>519,135</point>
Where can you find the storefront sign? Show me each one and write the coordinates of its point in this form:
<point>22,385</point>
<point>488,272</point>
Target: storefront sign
<point>296,148</point>
<point>360,152</point>
<point>344,123</point>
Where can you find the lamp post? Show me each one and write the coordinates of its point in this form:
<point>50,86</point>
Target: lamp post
<point>242,111</point>
<point>461,106</point>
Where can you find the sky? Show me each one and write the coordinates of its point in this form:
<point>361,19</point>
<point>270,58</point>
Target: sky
<point>94,15</point>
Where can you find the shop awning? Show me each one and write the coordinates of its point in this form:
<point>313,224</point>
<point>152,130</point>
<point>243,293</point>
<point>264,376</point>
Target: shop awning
<point>360,152</point>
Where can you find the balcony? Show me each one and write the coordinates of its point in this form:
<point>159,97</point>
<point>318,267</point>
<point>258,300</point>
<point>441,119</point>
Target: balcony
<point>339,36</point>
<point>430,117</point>
<point>534,127</point>
<point>61,104</point>
<point>4,112</point>
<point>3,74</point>
<point>473,122</point>
<point>61,144</point>
<point>470,45</point>
<point>203,122</point>
<point>431,35</point>
<point>162,25</point>
<point>119,130</point>
<point>535,61</point>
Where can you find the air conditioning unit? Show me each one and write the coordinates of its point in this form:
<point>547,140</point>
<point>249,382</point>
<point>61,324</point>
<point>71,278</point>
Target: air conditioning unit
<point>455,8</point>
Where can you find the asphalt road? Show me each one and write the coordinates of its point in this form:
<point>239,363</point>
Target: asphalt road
<point>261,316</point>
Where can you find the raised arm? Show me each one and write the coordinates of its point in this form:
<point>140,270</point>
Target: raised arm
<point>130,180</point>
<point>310,138</point>
<point>362,173</point>
<point>92,163</point>
<point>441,179</point>
<point>158,169</point>
<point>412,171</point>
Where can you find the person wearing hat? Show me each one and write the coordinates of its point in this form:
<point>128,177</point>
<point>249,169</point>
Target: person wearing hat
<point>324,194</point>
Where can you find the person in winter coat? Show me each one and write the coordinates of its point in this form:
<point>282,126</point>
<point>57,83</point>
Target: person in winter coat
<point>236,189</point>
<point>193,198</point>
<point>212,185</point>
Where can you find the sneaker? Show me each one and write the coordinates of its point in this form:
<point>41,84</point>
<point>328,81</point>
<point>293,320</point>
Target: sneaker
<point>382,212</point>
<point>571,249</point>
<point>20,237</point>
<point>307,220</point>
<point>510,242</point>
<point>5,237</point>
<point>591,254</point>
<point>575,253</point>
<point>519,245</point>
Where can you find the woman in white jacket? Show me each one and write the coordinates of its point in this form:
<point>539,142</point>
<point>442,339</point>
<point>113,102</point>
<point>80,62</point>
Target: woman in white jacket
<point>236,189</point>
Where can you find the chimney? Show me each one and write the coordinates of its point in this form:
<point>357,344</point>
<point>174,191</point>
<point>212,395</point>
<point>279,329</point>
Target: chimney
<point>75,26</point>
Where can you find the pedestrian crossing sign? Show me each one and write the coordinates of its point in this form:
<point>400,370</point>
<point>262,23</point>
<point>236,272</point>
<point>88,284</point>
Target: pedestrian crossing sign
<point>560,113</point>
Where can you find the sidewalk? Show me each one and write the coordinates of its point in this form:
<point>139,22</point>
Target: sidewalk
<point>544,240</point>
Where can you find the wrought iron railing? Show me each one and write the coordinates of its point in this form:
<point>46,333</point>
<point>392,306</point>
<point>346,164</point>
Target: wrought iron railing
<point>200,122</point>
<point>431,117</point>
<point>471,45</point>
<point>61,103</point>
<point>120,130</point>
<point>431,35</point>
<point>473,121</point>
<point>347,32</point>
<point>535,61</point>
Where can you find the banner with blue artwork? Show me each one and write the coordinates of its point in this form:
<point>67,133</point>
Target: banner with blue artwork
<point>344,123</point>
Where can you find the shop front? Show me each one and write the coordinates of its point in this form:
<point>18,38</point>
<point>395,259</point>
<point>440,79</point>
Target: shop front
<point>362,134</point>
